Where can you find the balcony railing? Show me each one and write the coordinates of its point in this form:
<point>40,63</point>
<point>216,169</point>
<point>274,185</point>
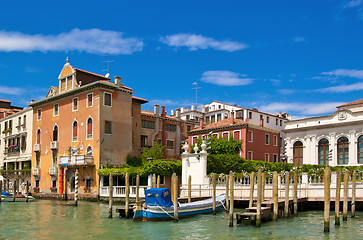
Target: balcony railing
<point>53,171</point>
<point>76,160</point>
<point>36,147</point>
<point>36,171</point>
<point>12,173</point>
<point>54,145</point>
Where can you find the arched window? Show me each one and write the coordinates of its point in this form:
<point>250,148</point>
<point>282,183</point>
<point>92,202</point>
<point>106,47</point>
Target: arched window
<point>89,128</point>
<point>89,151</point>
<point>323,150</point>
<point>38,136</point>
<point>360,149</point>
<point>55,133</point>
<point>343,150</point>
<point>298,153</point>
<point>75,131</point>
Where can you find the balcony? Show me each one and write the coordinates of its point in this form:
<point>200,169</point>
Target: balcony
<point>36,148</point>
<point>76,160</point>
<point>15,173</point>
<point>53,171</point>
<point>36,171</point>
<point>12,151</point>
<point>54,145</point>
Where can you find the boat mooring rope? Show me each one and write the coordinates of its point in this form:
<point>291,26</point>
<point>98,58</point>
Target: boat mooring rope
<point>167,213</point>
<point>223,205</point>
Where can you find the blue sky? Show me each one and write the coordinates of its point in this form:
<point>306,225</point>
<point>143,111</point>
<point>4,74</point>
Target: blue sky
<point>300,57</point>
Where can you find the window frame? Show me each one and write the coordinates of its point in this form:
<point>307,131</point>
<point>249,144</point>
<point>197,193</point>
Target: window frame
<point>267,139</point>
<point>108,133</point>
<point>167,146</point>
<point>54,112</point>
<point>39,114</point>
<point>104,99</point>
<point>268,157</point>
<point>359,141</point>
<point>343,153</point>
<point>324,155</point>
<point>89,136</point>
<point>75,110</point>
<point>275,141</point>
<point>250,139</point>
<point>89,94</point>
<point>75,139</point>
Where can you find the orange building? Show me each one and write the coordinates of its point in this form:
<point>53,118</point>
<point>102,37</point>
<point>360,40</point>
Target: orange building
<point>83,124</point>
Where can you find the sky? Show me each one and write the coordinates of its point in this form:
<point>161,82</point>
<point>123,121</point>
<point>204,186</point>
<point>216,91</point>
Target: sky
<point>300,57</point>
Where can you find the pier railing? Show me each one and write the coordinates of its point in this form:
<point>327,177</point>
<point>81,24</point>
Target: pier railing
<point>120,191</point>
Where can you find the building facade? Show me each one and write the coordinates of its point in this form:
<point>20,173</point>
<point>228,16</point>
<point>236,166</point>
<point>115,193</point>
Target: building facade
<point>82,125</point>
<point>335,139</point>
<point>258,142</point>
<point>16,147</point>
<point>7,109</point>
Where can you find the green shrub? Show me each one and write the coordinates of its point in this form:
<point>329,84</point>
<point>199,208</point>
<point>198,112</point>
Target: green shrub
<point>133,161</point>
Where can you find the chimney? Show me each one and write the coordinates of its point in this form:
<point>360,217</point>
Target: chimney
<point>162,112</point>
<point>156,110</point>
<point>181,109</point>
<point>201,123</point>
<point>261,122</point>
<point>232,117</point>
<point>31,101</point>
<point>193,108</point>
<point>172,112</point>
<point>177,113</point>
<point>118,81</point>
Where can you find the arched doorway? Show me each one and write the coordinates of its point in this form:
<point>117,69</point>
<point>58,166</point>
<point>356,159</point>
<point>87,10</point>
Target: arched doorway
<point>298,153</point>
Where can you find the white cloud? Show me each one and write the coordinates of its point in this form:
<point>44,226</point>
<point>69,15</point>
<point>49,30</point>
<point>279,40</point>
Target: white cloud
<point>11,90</point>
<point>300,39</point>
<point>195,42</point>
<point>286,91</point>
<point>94,40</point>
<point>225,78</point>
<point>353,73</point>
<point>275,82</point>
<point>343,88</point>
<point>301,108</point>
<point>353,3</point>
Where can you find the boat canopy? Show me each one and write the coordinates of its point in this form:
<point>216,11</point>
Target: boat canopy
<point>158,197</point>
<point>5,194</point>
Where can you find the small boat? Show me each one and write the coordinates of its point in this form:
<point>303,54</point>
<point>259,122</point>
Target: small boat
<point>158,206</point>
<point>6,197</point>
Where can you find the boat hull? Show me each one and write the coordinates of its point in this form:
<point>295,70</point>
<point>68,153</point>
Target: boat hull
<point>17,199</point>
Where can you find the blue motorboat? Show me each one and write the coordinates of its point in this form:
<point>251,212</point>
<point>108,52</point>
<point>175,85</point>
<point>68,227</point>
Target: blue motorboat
<point>6,197</point>
<point>158,206</point>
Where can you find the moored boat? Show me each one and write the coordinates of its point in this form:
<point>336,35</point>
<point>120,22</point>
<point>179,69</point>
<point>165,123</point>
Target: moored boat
<point>158,206</point>
<point>6,197</point>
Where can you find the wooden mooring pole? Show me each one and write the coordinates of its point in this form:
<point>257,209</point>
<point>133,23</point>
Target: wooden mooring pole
<point>137,188</point>
<point>259,195</point>
<point>252,186</point>
<point>354,181</point>
<point>1,188</point>
<point>227,192</point>
<point>295,194</point>
<point>287,199</point>
<point>127,193</point>
<point>214,194</point>
<point>337,197</point>
<point>345,198</point>
<point>190,188</point>
<point>26,191</point>
<point>231,204</point>
<point>14,190</point>
<point>110,196</point>
<point>158,182</point>
<point>172,187</point>
<point>263,187</point>
<point>175,183</point>
<point>327,199</point>
<point>275,195</point>
<point>154,180</point>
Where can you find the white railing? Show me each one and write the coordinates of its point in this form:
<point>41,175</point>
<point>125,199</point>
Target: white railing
<point>120,191</point>
<point>76,160</point>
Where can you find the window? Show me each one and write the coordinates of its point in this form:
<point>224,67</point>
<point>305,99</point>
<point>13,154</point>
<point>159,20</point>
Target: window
<point>267,157</point>
<point>275,158</point>
<point>75,104</point>
<point>75,131</point>
<point>280,122</point>
<point>69,82</point>
<point>147,124</point>
<point>250,115</point>
<point>89,151</point>
<point>189,128</point>
<point>55,158</point>
<point>188,117</point>
<point>56,110</point>
<point>54,183</point>
<point>194,141</point>
<point>298,153</point>
<point>239,114</point>
<point>250,136</point>
<point>90,100</point>
<point>39,111</point>
<point>169,144</point>
<point>360,149</point>
<point>108,127</point>
<point>19,121</point>
<point>89,128</point>
<point>236,135</point>
<point>6,126</point>
<point>219,116</point>
<point>88,183</point>
<point>277,122</point>
<point>267,139</point>
<point>55,133</point>
<point>143,141</point>
<point>24,120</point>
<point>38,136</point>
<point>170,127</point>
<point>275,140</point>
<point>267,119</point>
<point>23,143</point>
<point>323,151</point>
<point>250,155</point>
<point>213,119</point>
<point>11,124</point>
<point>107,99</point>
<point>63,85</point>
<point>343,150</point>
<point>225,135</point>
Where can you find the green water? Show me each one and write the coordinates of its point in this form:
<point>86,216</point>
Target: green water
<point>44,219</point>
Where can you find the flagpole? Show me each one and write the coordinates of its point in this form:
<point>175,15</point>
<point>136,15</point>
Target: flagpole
<point>196,93</point>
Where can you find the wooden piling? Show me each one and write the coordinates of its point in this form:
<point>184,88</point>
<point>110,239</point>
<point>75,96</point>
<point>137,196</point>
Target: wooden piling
<point>354,181</point>
<point>263,186</point>
<point>345,197</point>
<point>259,195</point>
<point>172,187</point>
<point>252,186</point>
<point>14,190</point>
<point>26,191</point>
<point>326,199</point>
<point>137,188</point>
<point>158,182</point>
<point>1,188</point>
<point>110,196</point>
<point>337,197</point>
<point>287,189</point>
<point>214,194</point>
<point>275,195</point>
<point>295,194</point>
<point>175,198</point>
<point>190,189</point>
<point>154,180</point>
<point>227,192</point>
<point>127,193</point>
<point>231,204</point>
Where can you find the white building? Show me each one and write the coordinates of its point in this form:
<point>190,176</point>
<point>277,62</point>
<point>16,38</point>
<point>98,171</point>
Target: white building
<point>336,139</point>
<point>16,145</point>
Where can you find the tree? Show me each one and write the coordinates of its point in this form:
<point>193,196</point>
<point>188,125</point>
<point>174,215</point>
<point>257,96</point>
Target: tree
<point>220,145</point>
<point>155,152</point>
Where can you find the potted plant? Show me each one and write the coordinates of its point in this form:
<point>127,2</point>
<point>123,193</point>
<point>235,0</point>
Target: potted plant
<point>53,189</point>
<point>87,189</point>
<point>36,189</point>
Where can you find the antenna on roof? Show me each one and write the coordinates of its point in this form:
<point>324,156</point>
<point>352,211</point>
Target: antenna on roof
<point>196,92</point>
<point>108,61</point>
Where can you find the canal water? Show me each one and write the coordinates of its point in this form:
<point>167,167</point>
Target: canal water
<point>45,219</point>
